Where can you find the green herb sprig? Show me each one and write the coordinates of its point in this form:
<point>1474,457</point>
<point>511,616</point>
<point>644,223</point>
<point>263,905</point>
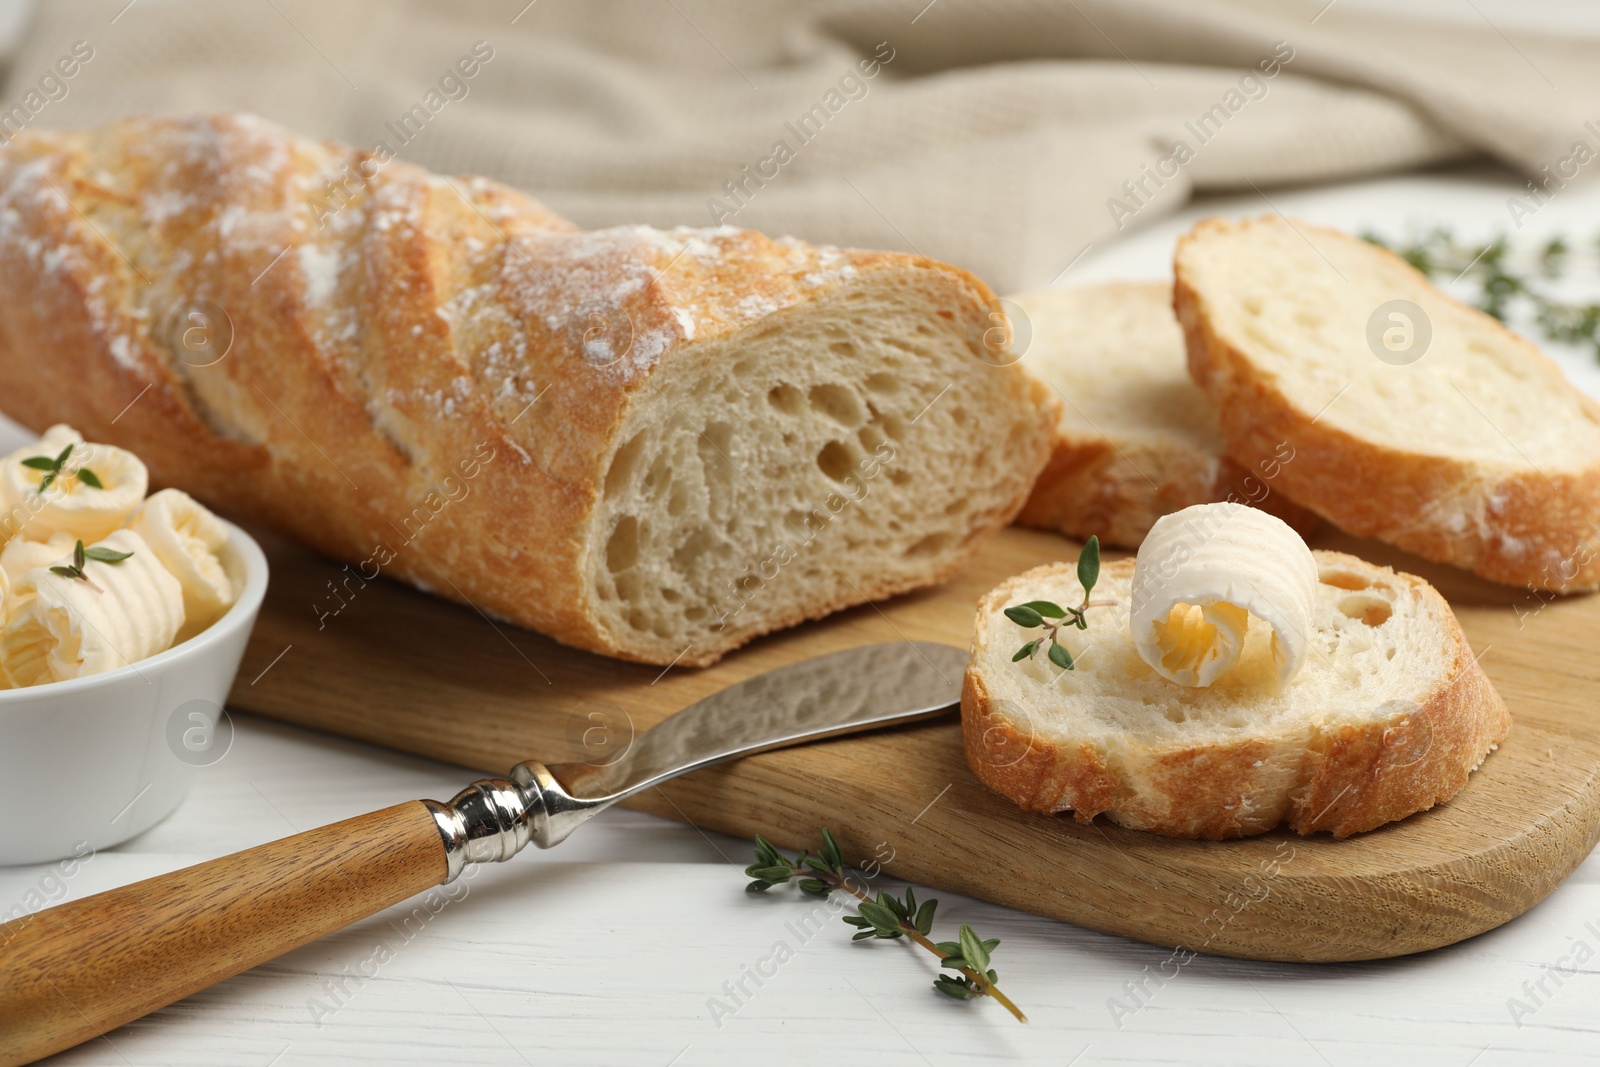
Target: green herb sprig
<point>885,916</point>
<point>1502,288</point>
<point>1037,613</point>
<point>54,467</point>
<point>81,556</point>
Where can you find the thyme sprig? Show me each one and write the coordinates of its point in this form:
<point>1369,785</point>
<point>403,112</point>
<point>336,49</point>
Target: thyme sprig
<point>53,469</point>
<point>1038,613</point>
<point>1502,287</point>
<point>885,916</point>
<point>81,556</point>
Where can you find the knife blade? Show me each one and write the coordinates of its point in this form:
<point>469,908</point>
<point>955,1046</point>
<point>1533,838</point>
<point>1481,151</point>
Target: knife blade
<point>77,970</point>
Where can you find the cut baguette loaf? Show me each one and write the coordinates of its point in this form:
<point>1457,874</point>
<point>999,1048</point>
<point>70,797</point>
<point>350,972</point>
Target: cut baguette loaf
<point>1136,439</point>
<point>655,445</point>
<point>1478,452</point>
<point>1388,716</point>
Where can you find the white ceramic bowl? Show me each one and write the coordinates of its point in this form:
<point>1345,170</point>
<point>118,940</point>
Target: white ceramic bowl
<point>87,763</point>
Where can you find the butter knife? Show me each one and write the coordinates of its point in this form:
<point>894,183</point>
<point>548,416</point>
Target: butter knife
<point>80,969</point>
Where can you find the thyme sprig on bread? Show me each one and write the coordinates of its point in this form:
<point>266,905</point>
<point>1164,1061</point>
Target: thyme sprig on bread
<point>1038,613</point>
<point>885,916</point>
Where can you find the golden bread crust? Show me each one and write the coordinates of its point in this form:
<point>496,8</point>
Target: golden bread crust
<point>1091,488</point>
<point>1541,531</point>
<point>424,376</point>
<point>1116,483</point>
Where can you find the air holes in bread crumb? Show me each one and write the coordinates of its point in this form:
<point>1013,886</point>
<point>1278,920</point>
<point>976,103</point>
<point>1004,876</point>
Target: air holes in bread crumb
<point>624,465</point>
<point>786,398</point>
<point>719,435</point>
<point>622,549</point>
<point>933,544</point>
<point>658,474</point>
<point>838,403</point>
<point>1368,609</point>
<point>836,460</point>
<point>686,557</point>
<point>883,384</point>
<point>716,448</point>
<point>1343,580</point>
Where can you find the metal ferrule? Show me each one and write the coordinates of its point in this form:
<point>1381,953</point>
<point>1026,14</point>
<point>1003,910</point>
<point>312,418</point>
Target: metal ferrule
<point>495,818</point>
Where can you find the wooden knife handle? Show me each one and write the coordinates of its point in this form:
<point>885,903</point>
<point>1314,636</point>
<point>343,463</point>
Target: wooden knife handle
<point>82,969</point>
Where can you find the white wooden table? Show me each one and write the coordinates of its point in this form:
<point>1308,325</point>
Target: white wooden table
<point>616,947</point>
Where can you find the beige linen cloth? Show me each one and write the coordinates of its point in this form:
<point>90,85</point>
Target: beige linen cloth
<point>998,135</point>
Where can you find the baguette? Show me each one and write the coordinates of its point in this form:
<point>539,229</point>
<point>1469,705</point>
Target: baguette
<point>1388,716</point>
<point>653,445</point>
<point>1471,449</point>
<point>1136,439</point>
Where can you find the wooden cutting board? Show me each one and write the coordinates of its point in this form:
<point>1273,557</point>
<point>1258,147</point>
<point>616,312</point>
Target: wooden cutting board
<point>402,669</point>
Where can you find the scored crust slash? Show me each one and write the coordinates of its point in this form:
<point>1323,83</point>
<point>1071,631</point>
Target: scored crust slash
<point>427,315</point>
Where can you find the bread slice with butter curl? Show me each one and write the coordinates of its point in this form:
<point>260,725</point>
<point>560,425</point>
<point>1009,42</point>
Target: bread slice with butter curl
<point>1389,715</point>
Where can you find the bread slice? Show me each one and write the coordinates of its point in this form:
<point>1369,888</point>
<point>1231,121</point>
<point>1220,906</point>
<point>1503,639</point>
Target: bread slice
<point>652,444</point>
<point>1136,439</point>
<point>1388,716</point>
<point>1474,450</point>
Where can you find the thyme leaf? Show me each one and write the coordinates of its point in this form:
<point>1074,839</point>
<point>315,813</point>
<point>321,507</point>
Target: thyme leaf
<point>885,917</point>
<point>54,468</point>
<point>81,556</point>
<point>1034,613</point>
